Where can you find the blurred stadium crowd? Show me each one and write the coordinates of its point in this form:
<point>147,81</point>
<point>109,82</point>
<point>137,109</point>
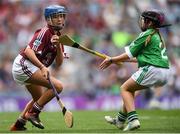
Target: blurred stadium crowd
<point>103,25</point>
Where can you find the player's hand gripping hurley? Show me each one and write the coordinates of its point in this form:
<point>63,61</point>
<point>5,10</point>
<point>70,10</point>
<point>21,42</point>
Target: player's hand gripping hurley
<point>66,40</point>
<point>68,117</point>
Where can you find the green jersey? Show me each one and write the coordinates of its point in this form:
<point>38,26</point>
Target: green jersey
<point>153,53</point>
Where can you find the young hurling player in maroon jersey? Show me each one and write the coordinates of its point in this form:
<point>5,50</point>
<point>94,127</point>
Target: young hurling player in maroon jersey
<point>30,67</point>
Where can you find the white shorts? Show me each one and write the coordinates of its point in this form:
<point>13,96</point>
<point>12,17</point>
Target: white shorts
<point>22,70</point>
<point>150,76</point>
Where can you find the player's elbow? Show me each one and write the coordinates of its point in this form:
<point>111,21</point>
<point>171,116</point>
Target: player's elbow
<point>28,51</point>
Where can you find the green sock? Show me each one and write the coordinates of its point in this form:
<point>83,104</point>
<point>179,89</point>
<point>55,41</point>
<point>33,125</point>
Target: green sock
<point>122,116</point>
<point>132,116</point>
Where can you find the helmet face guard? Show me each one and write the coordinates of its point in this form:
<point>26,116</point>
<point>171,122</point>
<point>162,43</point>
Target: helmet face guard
<point>157,17</point>
<point>54,10</point>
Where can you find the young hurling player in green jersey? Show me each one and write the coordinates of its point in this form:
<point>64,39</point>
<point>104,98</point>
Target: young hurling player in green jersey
<point>149,50</point>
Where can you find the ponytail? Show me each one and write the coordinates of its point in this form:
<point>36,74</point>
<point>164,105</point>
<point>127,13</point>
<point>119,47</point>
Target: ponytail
<point>149,37</point>
<point>162,40</point>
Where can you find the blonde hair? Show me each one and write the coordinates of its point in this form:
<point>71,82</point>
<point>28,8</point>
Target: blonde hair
<point>149,37</point>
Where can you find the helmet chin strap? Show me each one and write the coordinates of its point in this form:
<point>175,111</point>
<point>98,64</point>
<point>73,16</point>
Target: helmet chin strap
<point>56,28</point>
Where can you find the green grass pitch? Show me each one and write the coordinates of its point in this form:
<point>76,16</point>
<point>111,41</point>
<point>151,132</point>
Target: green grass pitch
<point>152,121</point>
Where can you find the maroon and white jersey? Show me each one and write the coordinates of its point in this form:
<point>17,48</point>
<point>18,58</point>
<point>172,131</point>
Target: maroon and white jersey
<point>42,46</point>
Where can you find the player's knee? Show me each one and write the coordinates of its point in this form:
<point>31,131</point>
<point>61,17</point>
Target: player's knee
<point>123,90</point>
<point>59,87</point>
<point>126,91</point>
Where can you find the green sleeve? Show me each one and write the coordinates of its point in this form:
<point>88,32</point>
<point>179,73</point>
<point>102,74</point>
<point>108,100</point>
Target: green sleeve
<point>138,44</point>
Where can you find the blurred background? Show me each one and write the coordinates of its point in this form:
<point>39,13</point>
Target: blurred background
<point>103,25</point>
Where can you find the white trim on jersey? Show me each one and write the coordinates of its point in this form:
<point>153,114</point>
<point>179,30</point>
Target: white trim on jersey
<point>41,33</point>
<point>128,52</point>
<point>39,38</point>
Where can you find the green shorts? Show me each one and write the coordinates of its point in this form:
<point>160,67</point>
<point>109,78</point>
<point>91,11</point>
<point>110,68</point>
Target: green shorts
<point>150,76</point>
